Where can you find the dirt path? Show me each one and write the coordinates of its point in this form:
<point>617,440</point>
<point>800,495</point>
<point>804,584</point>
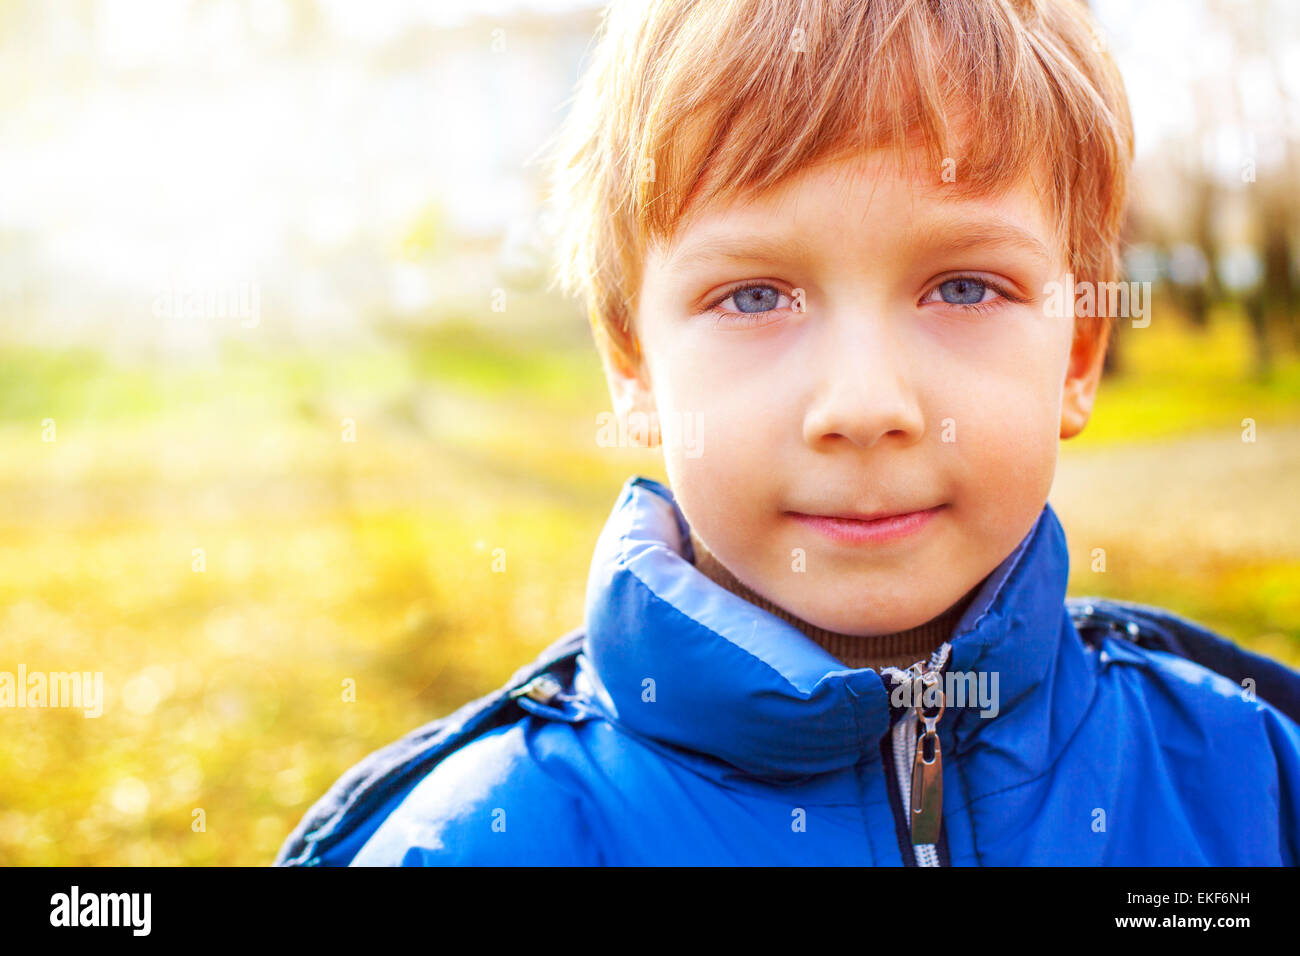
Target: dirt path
<point>1211,495</point>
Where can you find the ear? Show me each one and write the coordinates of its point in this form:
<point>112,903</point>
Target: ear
<point>1082,376</point>
<point>632,393</point>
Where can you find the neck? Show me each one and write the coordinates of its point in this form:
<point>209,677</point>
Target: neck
<point>899,649</point>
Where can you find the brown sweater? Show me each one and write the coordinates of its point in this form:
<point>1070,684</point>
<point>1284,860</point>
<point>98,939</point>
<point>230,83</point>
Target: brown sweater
<point>900,649</point>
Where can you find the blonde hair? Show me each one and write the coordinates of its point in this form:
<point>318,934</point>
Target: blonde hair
<point>688,101</point>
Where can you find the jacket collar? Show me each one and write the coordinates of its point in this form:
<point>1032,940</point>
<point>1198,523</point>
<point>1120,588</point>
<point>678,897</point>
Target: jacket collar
<point>673,657</point>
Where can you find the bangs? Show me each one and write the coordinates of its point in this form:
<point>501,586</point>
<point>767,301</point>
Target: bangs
<point>703,103</point>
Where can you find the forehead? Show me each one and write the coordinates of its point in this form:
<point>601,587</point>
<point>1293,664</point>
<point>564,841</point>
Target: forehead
<point>870,193</point>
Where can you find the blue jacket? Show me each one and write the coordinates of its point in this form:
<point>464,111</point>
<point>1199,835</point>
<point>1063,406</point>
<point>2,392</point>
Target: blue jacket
<point>683,725</point>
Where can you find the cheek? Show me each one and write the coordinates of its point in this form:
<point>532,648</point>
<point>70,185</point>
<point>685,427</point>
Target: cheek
<point>715,422</point>
<point>1007,430</point>
<point>1011,383</point>
<point>688,426</point>
<point>712,446</point>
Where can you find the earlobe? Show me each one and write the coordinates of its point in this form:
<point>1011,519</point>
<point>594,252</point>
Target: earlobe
<point>1076,409</point>
<point>1082,378</point>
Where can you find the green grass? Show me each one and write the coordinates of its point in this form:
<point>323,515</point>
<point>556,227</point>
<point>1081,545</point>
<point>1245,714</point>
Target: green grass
<point>1175,381</point>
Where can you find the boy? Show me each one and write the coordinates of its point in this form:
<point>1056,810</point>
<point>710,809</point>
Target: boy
<point>821,238</point>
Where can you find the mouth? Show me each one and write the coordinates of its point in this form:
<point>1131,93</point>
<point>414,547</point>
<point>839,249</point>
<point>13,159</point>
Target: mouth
<point>851,528</point>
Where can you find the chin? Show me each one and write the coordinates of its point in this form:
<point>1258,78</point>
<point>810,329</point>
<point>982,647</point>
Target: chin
<point>868,626</point>
<point>852,625</point>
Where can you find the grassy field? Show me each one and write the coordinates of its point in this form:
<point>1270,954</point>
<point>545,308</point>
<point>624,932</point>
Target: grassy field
<point>325,561</point>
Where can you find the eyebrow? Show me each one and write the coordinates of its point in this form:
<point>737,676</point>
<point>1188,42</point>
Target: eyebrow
<point>774,249</point>
<point>990,232</point>
<point>961,235</point>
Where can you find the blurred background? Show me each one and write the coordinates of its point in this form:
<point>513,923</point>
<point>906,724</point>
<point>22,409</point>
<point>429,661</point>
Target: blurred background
<point>284,404</point>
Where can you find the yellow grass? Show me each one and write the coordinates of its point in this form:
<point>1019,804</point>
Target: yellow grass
<point>328,561</point>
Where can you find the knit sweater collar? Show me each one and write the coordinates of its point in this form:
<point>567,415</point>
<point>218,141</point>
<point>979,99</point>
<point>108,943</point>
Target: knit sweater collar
<point>899,649</point>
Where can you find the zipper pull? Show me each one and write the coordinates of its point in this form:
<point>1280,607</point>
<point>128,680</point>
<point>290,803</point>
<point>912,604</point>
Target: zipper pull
<point>927,775</point>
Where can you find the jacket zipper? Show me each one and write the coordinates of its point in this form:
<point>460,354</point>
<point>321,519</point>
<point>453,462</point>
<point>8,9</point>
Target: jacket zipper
<point>918,762</point>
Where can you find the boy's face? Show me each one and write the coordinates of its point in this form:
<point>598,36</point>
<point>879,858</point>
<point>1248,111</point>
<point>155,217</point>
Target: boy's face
<point>857,341</point>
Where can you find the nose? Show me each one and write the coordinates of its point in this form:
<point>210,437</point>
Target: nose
<point>865,388</point>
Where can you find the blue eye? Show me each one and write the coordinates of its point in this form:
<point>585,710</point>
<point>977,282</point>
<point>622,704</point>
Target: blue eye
<point>757,298</point>
<point>962,291</point>
<point>756,305</point>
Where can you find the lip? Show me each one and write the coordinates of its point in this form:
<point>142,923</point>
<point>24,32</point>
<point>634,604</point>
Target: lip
<point>850,530</point>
